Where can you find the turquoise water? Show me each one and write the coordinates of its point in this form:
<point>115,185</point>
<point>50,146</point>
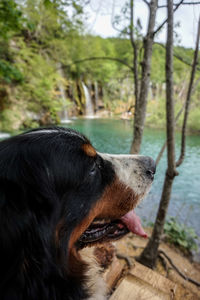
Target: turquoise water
<point>115,136</point>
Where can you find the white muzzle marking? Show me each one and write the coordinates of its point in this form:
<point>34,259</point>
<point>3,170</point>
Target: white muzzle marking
<point>132,170</point>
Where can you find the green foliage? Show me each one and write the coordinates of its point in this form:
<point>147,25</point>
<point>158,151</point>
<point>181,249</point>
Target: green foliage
<point>9,73</point>
<point>39,89</point>
<point>10,120</point>
<point>10,23</point>
<point>158,59</point>
<point>180,235</point>
<point>194,120</point>
<point>156,113</point>
<point>10,18</point>
<point>37,36</point>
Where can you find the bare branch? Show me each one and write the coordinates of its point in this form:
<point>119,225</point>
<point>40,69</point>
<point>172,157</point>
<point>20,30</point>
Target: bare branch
<point>113,20</point>
<point>170,93</point>
<point>177,56</point>
<point>112,17</point>
<point>165,144</point>
<point>139,119</point>
<point>113,25</point>
<point>150,253</point>
<point>184,61</point>
<point>161,153</point>
<point>132,25</point>
<point>146,2</point>
<point>177,270</point>
<point>99,58</point>
<point>176,119</point>
<point>184,3</point>
<point>188,99</point>
<point>165,21</point>
<point>135,52</point>
<point>191,3</point>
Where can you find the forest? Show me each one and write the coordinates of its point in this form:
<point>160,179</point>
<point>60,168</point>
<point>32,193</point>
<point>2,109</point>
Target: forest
<point>48,58</point>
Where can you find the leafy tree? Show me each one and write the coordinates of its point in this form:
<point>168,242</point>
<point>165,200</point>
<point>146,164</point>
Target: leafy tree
<point>11,23</point>
<point>40,35</point>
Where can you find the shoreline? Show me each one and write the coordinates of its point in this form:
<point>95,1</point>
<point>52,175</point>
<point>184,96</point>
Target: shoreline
<point>103,115</point>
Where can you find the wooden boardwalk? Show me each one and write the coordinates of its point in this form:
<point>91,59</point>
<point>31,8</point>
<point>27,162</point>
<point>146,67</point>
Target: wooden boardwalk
<point>142,283</point>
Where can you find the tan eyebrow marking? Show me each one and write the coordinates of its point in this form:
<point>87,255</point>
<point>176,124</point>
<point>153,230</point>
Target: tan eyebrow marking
<point>89,150</point>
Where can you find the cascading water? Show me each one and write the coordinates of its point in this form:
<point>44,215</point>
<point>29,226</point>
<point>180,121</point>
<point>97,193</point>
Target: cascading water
<point>89,110</point>
<point>96,94</point>
<point>4,135</point>
<point>64,114</point>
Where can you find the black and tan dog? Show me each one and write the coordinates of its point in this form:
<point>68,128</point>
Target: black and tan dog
<point>57,196</point>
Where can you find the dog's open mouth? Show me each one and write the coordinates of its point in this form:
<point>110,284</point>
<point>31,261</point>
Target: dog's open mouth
<point>107,230</point>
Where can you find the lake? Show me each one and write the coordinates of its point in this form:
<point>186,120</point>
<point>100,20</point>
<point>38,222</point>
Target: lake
<point>115,136</point>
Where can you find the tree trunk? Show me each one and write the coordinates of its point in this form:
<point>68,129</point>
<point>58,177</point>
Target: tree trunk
<point>165,144</point>
<point>149,255</point>
<point>140,109</point>
<point>186,105</point>
<point>189,93</point>
<point>135,55</point>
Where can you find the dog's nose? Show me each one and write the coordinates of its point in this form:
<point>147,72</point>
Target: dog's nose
<point>150,166</point>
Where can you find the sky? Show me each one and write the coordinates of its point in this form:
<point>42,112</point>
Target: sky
<point>101,12</point>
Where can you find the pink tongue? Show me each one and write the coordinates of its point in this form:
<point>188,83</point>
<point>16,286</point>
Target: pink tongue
<point>133,223</point>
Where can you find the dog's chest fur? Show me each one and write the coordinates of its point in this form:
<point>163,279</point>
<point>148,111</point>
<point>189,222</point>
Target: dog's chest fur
<point>95,283</point>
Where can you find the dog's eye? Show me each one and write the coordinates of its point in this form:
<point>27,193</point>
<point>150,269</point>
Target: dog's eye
<point>93,170</point>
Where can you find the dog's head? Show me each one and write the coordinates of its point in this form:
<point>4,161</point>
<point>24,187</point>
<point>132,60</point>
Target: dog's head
<point>58,195</point>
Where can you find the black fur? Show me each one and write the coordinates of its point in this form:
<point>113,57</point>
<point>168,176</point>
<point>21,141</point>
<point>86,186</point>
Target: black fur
<point>45,177</point>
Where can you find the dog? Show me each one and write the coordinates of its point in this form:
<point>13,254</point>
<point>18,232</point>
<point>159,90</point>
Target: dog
<point>58,195</point>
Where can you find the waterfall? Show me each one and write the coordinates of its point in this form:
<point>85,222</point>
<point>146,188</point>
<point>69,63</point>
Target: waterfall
<point>89,110</point>
<point>61,87</point>
<point>4,135</point>
<point>96,94</point>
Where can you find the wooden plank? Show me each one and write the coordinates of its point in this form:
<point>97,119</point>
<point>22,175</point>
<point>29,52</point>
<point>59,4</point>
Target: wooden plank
<point>143,283</point>
<point>132,288</point>
<point>152,278</point>
<point>112,276</point>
